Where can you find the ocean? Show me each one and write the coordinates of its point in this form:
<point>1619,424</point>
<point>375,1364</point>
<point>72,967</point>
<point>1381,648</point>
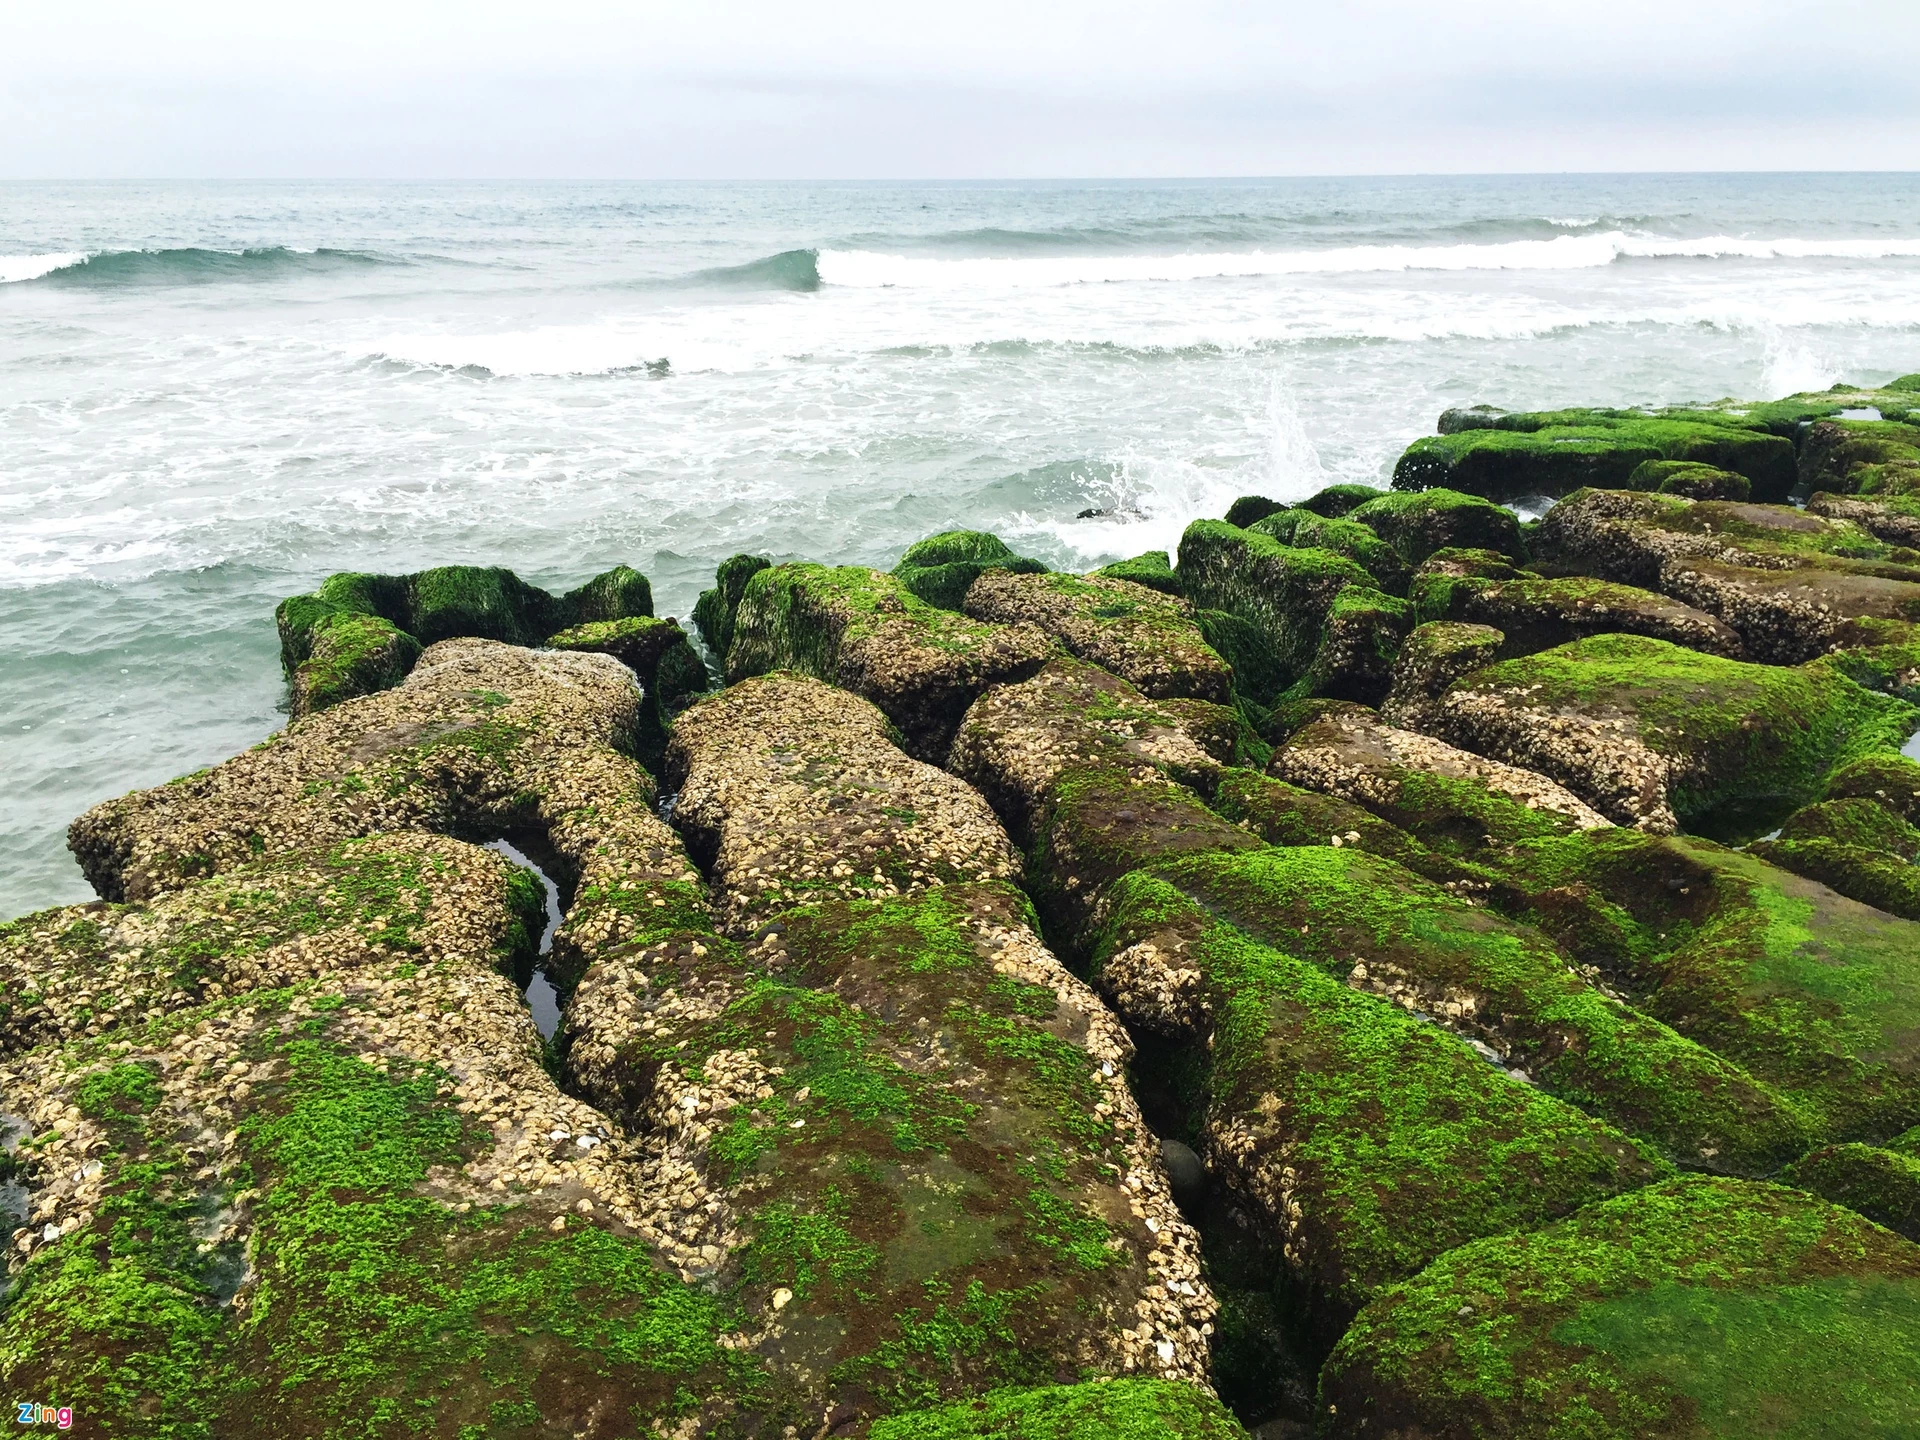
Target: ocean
<point>213,395</point>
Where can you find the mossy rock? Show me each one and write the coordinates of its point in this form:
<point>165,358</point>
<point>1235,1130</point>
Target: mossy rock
<point>1519,455</point>
<point>1258,677</point>
<point>1336,501</point>
<point>1249,508</point>
<point>1883,1185</point>
<point>1505,988</point>
<point>1285,593</point>
<point>1894,518</point>
<point>1303,529</point>
<point>1659,736</point>
<point>1417,525</point>
<point>1860,872</point>
<point>328,664</point>
<point>1355,659</point>
<point>940,568</point>
<point>1533,613</point>
<point>1436,653</point>
<point>1700,1308</point>
<point>1113,1410</point>
<point>1457,567</point>
<point>1144,637</point>
<point>671,673</point>
<point>350,654</point>
<point>1854,456</point>
<point>1361,1141</point>
<point>867,632</point>
<point>1690,479</point>
<point>713,612</point>
<point>1856,820</point>
<point>1151,570</point>
<point>1892,780</point>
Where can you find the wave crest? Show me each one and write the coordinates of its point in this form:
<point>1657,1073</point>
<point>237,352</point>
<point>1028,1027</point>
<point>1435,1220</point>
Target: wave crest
<point>188,265</point>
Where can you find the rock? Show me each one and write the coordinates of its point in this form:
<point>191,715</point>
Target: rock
<point>1086,773</point>
<point>940,568</point>
<point>1850,457</point>
<point>1503,988</point>
<point>427,607</point>
<point>1303,529</point>
<point>1792,584</point>
<point>792,792</point>
<point>1139,634</point>
<point>1362,639</point>
<point>1657,736</point>
<point>1150,570</point>
<point>1186,1173</point>
<point>1417,525</point>
<point>1249,508</point>
<point>1797,1309</point>
<point>1285,594</point>
<point>350,654</point>
<point>713,612</point>
<point>1336,500</point>
<point>1363,1141</point>
<point>671,673</point>
<point>1893,780</point>
<point>1892,518</point>
<point>1533,613</point>
<point>481,739</point>
<point>367,1099</point>
<point>1114,1409</point>
<point>865,632</point>
<point>1861,871</point>
<point>1883,1185</point>
<point>1357,756</point>
<point>1694,481</point>
<point>1436,654</point>
<point>1514,456</point>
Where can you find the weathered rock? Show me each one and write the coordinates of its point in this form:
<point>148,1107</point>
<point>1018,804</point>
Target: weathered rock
<point>713,612</point>
<point>791,792</point>
<point>1693,480</point>
<point>1657,736</point>
<point>481,740</point>
<point>1144,637</point>
<point>1336,500</point>
<point>1436,654</point>
<point>1249,508</point>
<point>865,632</point>
<point>1417,525</point>
<point>1794,585</point>
<point>1860,457</point>
<point>1881,1184</point>
<point>670,671</point>
<point>330,655</point>
<point>1503,988</point>
<point>1088,775</point>
<point>1513,456</point>
<point>203,1179</point>
<point>1357,756</point>
<point>1303,529</point>
<point>1892,518</point>
<point>1150,570</point>
<point>1113,1410</point>
<point>1701,1307</point>
<point>1365,1141</point>
<point>1364,632</point>
<point>940,569</point>
<point>1534,613</point>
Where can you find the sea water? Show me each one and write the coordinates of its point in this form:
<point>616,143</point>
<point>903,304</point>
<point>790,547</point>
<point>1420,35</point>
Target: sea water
<point>213,395</point>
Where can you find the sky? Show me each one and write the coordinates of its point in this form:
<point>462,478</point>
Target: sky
<point>800,89</point>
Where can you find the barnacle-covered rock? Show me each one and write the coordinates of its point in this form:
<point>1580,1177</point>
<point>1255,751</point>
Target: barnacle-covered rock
<point>941,568</point>
<point>671,673</point>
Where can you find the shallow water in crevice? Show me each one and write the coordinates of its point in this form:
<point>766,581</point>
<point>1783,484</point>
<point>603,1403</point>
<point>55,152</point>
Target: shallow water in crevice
<point>542,999</point>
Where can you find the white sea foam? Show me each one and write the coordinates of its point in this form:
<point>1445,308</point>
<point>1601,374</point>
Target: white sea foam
<point>867,268</point>
<point>15,268</point>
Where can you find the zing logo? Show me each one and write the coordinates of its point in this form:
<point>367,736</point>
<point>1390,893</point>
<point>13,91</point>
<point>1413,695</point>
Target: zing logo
<point>32,1413</point>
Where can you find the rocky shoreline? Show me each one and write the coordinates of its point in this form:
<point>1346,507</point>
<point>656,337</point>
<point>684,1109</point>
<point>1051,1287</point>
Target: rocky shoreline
<point>1392,969</point>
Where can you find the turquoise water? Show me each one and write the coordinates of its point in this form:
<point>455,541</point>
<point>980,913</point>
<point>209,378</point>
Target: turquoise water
<point>213,395</point>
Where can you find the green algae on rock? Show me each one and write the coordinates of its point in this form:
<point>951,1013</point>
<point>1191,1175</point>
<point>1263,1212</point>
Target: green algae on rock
<point>941,568</point>
<point>1535,613</point>
<point>1368,1142</point>
<point>866,632</point>
<point>713,612</point>
<point>1881,1184</point>
<point>1658,736</point>
<point>1700,1307</point>
<point>671,673</point>
<point>1416,525</point>
<point>488,603</point>
<point>1690,479</point>
<point>1304,530</point>
<point>1111,1410</point>
<point>1151,570</point>
<point>1334,501</point>
<point>1141,635</point>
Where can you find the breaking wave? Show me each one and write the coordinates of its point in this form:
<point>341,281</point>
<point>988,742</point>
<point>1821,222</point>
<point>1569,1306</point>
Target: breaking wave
<point>190,265</point>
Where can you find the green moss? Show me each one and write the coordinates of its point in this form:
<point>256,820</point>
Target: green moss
<point>1893,780</point>
<point>1883,1185</point>
<point>1698,1307</point>
<point>1513,456</point>
<point>1150,570</point>
<point>1691,480</point>
<point>1742,732</point>
<point>1859,872</point>
<point>940,569</point>
<point>1110,1410</point>
<point>1418,525</point>
<point>1250,508</point>
<point>1857,821</point>
<point>1282,592</point>
<point>1336,500</point>
<point>1305,530</point>
<point>713,612</point>
<point>352,654</point>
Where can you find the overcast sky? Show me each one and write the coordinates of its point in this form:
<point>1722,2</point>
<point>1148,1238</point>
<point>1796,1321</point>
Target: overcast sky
<point>1015,88</point>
